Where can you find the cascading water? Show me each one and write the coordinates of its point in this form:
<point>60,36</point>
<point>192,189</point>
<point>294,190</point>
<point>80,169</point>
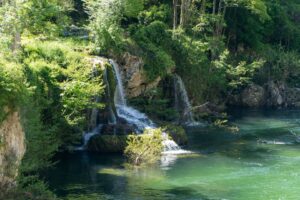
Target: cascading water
<point>88,136</point>
<point>135,117</point>
<point>182,102</point>
<point>131,115</point>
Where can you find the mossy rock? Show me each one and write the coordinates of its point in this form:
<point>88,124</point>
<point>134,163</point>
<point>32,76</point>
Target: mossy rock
<point>177,133</point>
<point>108,143</point>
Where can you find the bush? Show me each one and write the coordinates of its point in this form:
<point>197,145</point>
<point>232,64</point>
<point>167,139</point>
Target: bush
<point>145,148</point>
<point>153,40</point>
<point>11,86</point>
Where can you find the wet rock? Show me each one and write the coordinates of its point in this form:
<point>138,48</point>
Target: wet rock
<point>275,94</point>
<point>177,133</point>
<point>122,128</point>
<point>209,110</point>
<point>108,143</point>
<point>253,96</point>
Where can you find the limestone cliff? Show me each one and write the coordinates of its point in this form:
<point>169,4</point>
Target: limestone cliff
<point>12,148</point>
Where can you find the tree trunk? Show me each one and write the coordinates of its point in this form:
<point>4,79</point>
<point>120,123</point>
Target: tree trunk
<point>16,43</point>
<point>203,7</point>
<point>175,15</point>
<point>184,13</point>
<point>214,7</point>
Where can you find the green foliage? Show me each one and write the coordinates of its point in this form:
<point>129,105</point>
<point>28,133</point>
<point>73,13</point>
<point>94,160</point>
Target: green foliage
<point>281,65</point>
<point>154,41</point>
<point>236,75</point>
<point>145,148</point>
<point>67,84</point>
<point>52,86</point>
<point>156,105</point>
<point>45,17</point>
<point>105,19</point>
<point>155,13</point>
<point>11,77</point>
<point>133,7</point>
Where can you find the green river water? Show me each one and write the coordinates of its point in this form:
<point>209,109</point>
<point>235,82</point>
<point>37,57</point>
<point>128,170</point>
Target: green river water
<point>260,162</point>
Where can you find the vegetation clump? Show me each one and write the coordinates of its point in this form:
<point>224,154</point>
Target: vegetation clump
<point>145,148</point>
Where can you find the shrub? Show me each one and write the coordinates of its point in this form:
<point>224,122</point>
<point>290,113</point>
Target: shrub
<point>145,148</point>
<point>11,86</point>
<point>153,40</point>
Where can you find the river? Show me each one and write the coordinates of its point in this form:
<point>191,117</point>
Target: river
<point>260,162</point>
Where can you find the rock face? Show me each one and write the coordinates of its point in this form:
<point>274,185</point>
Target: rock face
<point>12,148</point>
<point>253,96</point>
<point>273,94</point>
<point>134,76</point>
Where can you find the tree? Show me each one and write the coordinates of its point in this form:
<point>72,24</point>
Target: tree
<point>105,19</point>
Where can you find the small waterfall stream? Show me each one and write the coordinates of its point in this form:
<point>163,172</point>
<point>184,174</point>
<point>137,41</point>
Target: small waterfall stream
<point>182,102</point>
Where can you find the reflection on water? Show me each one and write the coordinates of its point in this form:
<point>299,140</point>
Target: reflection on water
<point>260,162</point>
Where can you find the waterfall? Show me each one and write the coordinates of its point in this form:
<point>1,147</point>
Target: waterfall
<point>130,114</point>
<point>182,102</point>
<point>135,117</point>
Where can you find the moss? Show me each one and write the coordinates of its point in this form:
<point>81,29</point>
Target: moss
<point>112,86</point>
<point>108,143</point>
<point>177,133</point>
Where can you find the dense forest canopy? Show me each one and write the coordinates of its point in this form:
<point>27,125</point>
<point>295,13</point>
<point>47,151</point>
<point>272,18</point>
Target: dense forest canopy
<point>218,47</point>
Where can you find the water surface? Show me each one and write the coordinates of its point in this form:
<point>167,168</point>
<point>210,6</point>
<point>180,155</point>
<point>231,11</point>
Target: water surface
<point>260,162</point>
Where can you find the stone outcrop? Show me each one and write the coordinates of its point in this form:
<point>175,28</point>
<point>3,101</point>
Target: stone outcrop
<point>134,76</point>
<point>276,92</point>
<point>253,96</point>
<point>12,148</point>
<point>273,94</point>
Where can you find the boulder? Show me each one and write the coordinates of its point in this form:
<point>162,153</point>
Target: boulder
<point>293,97</point>
<point>276,92</point>
<point>253,96</point>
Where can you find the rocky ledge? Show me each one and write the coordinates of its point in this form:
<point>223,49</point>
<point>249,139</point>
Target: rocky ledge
<point>272,94</point>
